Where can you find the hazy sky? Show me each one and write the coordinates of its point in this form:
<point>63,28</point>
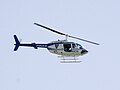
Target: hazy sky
<point>30,69</point>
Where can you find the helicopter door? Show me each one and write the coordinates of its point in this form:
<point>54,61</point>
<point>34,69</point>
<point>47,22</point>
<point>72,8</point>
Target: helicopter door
<point>74,47</point>
<point>67,47</point>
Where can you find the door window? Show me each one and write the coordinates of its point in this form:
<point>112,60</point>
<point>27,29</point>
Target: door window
<point>67,47</point>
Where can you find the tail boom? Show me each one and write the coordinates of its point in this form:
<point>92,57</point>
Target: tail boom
<point>36,46</point>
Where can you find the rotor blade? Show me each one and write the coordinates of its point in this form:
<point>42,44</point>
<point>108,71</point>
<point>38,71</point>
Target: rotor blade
<point>49,29</point>
<point>64,34</point>
<point>83,40</point>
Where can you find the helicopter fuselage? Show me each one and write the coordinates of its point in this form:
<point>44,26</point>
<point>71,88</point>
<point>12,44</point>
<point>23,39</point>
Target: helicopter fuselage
<point>66,48</point>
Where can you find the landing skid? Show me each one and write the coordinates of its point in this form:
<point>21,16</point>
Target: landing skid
<point>68,59</point>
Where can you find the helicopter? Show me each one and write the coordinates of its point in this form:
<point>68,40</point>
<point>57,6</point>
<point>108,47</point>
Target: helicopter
<point>63,48</point>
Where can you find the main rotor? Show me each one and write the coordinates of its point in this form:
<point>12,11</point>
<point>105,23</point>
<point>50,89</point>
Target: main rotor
<point>66,35</point>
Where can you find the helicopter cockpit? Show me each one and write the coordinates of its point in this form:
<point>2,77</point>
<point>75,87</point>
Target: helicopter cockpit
<point>72,47</point>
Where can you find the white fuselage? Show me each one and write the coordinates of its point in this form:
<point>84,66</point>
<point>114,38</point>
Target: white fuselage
<point>65,48</point>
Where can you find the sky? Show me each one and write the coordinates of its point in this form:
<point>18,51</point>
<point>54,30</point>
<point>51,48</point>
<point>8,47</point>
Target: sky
<point>30,69</point>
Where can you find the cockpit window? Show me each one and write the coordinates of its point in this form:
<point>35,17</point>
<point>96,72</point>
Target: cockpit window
<point>79,46</point>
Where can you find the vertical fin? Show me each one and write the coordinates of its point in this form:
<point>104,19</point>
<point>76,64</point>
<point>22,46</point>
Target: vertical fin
<point>17,43</point>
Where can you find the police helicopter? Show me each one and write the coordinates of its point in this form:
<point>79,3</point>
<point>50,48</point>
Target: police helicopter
<point>63,48</point>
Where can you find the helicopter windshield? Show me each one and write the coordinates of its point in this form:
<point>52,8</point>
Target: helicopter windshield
<point>79,46</point>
